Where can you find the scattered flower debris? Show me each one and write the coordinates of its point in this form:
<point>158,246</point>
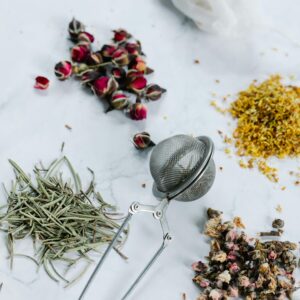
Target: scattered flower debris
<point>241,266</point>
<point>144,185</point>
<point>68,127</point>
<point>197,61</point>
<point>279,208</point>
<point>268,123</point>
<point>114,73</point>
<point>41,83</point>
<point>142,141</point>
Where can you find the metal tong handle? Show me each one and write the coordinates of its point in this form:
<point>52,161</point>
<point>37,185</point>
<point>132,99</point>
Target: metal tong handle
<point>158,212</point>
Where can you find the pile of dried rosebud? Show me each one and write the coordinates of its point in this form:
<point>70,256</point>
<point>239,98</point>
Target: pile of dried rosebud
<point>241,266</point>
<point>113,73</point>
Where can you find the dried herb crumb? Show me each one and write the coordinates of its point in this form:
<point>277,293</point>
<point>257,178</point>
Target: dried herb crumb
<point>68,127</point>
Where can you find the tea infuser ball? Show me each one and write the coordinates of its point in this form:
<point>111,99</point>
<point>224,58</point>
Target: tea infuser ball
<point>183,169</point>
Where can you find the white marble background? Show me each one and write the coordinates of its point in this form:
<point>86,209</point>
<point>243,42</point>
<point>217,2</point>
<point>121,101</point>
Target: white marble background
<point>34,37</point>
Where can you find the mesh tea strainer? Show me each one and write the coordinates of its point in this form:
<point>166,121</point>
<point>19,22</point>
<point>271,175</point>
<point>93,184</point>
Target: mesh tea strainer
<point>183,169</point>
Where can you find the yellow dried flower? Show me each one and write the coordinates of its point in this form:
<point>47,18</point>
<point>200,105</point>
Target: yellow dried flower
<point>238,222</point>
<point>268,117</point>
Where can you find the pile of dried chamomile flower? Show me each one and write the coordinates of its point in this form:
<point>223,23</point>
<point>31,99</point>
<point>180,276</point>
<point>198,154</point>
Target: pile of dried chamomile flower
<point>116,73</point>
<point>242,266</point>
<point>64,221</point>
<point>268,124</point>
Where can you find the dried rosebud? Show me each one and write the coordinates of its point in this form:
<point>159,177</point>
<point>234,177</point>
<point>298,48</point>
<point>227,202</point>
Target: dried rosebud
<point>89,76</point>
<point>278,223</point>
<point>231,255</point>
<point>212,213</point>
<point>272,255</point>
<point>86,37</point>
<point>120,57</point>
<point>142,140</point>
<point>219,256</point>
<point>201,281</point>
<point>224,276</point>
<point>139,64</point>
<point>119,100</point>
<point>63,70</point>
<point>231,235</point>
<point>75,27</point>
<point>243,281</point>
<point>133,48</point>
<point>215,294</point>
<point>41,83</point>
<point>138,111</point>
<point>233,292</point>
<point>94,59</point>
<point>121,35</point>
<point>234,268</point>
<point>154,92</point>
<point>264,268</point>
<point>200,267</point>
<point>107,51</point>
<point>79,53</point>
<point>138,85</point>
<point>119,74</point>
<point>104,86</point>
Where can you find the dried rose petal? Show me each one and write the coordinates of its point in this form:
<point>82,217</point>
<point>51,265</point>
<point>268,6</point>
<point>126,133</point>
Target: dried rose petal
<point>41,83</point>
<point>139,64</point>
<point>63,70</point>
<point>79,53</point>
<point>138,111</point>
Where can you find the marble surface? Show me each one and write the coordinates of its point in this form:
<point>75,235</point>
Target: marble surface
<point>33,38</point>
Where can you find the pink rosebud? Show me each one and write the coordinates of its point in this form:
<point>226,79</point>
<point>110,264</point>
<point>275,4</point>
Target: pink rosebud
<point>234,268</point>
<point>199,266</point>
<point>231,255</point>
<point>94,59</point>
<point>243,281</point>
<point>75,27</point>
<point>215,294</point>
<point>63,70</point>
<point>138,111</point>
<point>142,140</point>
<point>231,236</point>
<point>272,255</point>
<point>119,100</point>
<point>41,83</point>
<point>121,35</point>
<point>154,92</point>
<point>138,84</point>
<point>107,51</point>
<point>120,57</point>
<point>233,292</point>
<point>79,53</point>
<point>204,283</point>
<point>140,65</point>
<point>133,48</point>
<point>104,86</point>
<point>86,37</point>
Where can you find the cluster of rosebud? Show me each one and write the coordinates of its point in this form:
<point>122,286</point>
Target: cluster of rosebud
<point>114,73</point>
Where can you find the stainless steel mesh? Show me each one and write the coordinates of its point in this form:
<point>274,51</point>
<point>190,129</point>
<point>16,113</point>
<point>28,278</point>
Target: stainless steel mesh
<point>174,161</point>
